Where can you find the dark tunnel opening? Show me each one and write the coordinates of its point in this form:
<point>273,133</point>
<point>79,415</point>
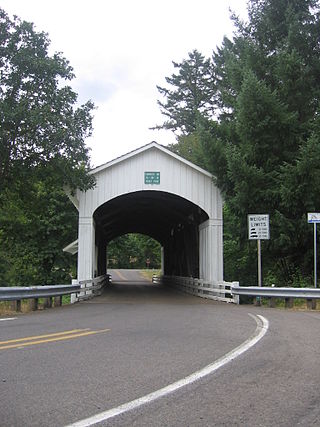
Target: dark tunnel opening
<point>171,220</point>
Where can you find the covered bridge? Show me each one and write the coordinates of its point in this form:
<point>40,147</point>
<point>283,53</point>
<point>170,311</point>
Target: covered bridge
<point>152,191</point>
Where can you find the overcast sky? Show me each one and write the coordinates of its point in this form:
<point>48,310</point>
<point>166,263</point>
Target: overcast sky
<point>120,50</point>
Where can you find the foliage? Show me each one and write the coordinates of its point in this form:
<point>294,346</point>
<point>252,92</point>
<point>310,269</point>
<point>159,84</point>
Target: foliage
<point>262,145</point>
<point>42,148</point>
<point>36,223</point>
<point>189,147</point>
<point>39,123</point>
<point>133,251</point>
<point>272,97</point>
<point>189,96</point>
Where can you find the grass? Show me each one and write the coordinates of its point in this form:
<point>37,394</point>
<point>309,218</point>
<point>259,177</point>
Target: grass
<point>7,307</point>
<point>149,273</point>
<point>298,303</point>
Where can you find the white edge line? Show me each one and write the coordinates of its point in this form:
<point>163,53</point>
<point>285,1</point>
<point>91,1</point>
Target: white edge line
<point>261,330</point>
<point>8,318</point>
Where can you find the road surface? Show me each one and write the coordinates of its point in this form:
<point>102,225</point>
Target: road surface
<point>66,364</point>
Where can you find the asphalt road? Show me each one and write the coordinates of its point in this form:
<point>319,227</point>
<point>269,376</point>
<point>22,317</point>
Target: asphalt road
<point>123,275</point>
<point>137,338</point>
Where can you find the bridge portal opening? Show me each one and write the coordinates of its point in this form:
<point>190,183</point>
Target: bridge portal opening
<point>134,251</point>
<point>171,220</point>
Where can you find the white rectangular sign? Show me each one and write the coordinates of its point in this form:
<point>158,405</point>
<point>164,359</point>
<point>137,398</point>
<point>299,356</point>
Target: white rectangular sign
<point>314,217</point>
<point>258,227</point>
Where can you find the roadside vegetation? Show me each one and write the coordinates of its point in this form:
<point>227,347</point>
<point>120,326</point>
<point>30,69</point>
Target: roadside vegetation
<point>8,307</point>
<point>250,115</point>
<point>150,273</point>
<point>42,150</point>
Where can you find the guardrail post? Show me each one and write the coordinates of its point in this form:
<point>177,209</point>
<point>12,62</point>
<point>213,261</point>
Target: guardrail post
<point>257,301</point>
<point>47,302</point>
<point>58,301</point>
<point>272,302</point>
<point>33,304</point>
<point>16,305</point>
<point>311,304</point>
<point>288,302</point>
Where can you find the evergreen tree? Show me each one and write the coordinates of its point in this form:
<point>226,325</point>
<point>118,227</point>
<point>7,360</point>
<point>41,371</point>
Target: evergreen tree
<point>268,89</point>
<point>262,143</point>
<point>190,148</point>
<point>190,94</point>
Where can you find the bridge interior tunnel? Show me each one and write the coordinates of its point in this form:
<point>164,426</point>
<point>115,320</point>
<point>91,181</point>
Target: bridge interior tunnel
<point>171,220</point>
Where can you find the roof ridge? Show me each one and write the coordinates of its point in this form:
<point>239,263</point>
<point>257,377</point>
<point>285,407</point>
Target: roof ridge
<point>143,148</point>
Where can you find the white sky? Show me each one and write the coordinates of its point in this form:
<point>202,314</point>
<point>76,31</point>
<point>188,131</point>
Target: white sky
<point>120,50</point>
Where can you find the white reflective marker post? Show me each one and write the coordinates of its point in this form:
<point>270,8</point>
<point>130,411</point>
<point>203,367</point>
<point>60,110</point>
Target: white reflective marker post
<point>315,253</point>
<point>314,218</point>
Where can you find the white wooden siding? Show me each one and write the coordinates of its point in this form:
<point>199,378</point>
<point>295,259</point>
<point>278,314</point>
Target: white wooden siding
<point>176,177</point>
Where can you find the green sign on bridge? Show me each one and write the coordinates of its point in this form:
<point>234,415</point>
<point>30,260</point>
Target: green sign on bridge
<point>152,178</point>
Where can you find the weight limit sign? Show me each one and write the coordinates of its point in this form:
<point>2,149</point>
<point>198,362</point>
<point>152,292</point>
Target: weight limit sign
<point>258,227</point>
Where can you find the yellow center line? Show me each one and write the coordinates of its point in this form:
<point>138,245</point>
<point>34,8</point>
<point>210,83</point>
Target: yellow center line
<point>59,338</point>
<point>121,275</point>
<point>43,336</point>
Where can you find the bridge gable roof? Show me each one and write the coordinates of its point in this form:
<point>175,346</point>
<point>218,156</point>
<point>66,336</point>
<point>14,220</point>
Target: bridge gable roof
<point>143,149</point>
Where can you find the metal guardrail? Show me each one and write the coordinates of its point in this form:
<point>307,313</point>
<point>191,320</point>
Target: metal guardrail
<point>219,291</point>
<point>18,293</point>
<point>231,291</point>
<point>288,294</point>
<point>79,291</point>
<point>308,293</point>
<point>92,288</point>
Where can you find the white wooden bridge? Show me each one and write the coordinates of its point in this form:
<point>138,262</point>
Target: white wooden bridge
<point>155,192</point>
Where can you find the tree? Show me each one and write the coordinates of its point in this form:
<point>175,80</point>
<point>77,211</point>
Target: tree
<point>299,184</point>
<point>42,148</point>
<point>39,122</point>
<point>132,250</point>
<point>280,45</point>
<point>264,133</point>
<point>190,94</point>
<point>35,226</point>
<point>268,90</point>
<point>189,147</point>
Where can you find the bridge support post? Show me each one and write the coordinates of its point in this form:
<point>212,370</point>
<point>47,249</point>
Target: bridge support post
<point>211,250</point>
<point>86,248</point>
<point>73,297</point>
<point>162,260</point>
<point>101,258</point>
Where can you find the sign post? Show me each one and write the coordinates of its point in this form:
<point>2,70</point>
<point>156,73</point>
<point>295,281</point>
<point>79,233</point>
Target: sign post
<point>258,228</point>
<point>314,218</point>
<point>259,263</point>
